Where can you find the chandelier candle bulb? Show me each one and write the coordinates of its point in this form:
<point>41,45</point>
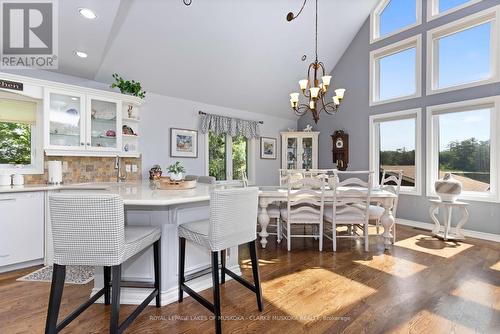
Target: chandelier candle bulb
<point>314,92</point>
<point>303,84</point>
<point>326,80</point>
<point>312,105</point>
<point>340,93</point>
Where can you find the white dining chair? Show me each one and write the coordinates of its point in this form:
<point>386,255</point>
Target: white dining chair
<point>390,181</point>
<point>273,210</point>
<point>290,175</point>
<point>351,200</point>
<point>305,206</point>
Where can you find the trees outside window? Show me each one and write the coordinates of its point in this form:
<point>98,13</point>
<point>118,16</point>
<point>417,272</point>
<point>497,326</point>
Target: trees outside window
<point>227,156</point>
<point>15,143</point>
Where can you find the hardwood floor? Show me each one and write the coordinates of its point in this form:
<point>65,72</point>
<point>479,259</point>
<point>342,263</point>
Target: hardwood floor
<point>422,285</point>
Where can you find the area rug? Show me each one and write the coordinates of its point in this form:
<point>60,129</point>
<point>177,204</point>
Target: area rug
<point>74,275</point>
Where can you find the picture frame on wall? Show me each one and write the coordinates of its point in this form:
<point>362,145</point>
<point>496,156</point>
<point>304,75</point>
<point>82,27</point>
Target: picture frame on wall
<point>183,143</point>
<point>268,147</point>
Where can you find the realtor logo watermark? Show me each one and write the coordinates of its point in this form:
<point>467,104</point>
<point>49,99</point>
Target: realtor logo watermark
<point>29,36</point>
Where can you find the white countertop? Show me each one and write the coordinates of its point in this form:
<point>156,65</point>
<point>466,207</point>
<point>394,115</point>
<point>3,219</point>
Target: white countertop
<point>140,193</point>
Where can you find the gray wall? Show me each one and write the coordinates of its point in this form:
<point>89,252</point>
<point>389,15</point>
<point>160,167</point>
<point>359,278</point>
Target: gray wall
<point>352,73</point>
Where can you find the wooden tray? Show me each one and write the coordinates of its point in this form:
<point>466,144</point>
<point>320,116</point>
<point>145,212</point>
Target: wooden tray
<point>167,184</point>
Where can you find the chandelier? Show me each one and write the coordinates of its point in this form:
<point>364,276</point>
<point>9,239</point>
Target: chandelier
<point>314,90</point>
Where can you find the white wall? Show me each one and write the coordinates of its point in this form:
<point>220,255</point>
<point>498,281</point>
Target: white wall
<point>159,113</point>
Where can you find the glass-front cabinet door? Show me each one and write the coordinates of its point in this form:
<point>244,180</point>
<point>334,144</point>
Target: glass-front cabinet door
<point>291,153</point>
<point>104,121</point>
<point>65,121</point>
<point>307,153</point>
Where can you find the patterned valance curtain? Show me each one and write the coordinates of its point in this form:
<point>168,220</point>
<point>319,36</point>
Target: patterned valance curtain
<point>230,126</point>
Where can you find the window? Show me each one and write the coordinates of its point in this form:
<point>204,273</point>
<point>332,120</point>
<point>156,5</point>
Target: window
<point>395,71</point>
<point>19,136</point>
<point>395,145</point>
<point>462,141</point>
<point>463,53</point>
<point>227,156</point>
<point>438,8</point>
<point>393,16</point>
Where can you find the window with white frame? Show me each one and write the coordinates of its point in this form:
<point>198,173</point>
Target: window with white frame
<point>393,16</point>
<point>463,53</point>
<point>228,157</point>
<point>462,140</point>
<point>437,8</point>
<point>395,145</point>
<point>395,71</point>
<point>19,136</point>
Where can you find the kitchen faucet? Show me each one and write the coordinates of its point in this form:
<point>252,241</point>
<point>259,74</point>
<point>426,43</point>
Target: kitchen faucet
<point>118,167</point>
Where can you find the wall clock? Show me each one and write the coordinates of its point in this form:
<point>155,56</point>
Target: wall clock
<point>340,149</point>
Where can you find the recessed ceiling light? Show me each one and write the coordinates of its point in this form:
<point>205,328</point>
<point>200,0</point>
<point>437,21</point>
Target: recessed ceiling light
<point>87,13</point>
<point>81,54</point>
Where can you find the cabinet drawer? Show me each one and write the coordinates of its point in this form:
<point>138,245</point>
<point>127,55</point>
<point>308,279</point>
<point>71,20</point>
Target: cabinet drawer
<point>21,227</point>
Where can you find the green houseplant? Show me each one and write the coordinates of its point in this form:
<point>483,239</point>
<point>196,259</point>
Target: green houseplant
<point>175,171</point>
<point>128,87</point>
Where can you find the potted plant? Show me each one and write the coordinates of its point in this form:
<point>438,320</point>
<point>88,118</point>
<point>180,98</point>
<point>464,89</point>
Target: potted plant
<point>128,87</point>
<point>175,171</point>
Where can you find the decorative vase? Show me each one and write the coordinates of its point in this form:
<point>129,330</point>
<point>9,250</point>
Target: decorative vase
<point>175,176</point>
<point>448,188</point>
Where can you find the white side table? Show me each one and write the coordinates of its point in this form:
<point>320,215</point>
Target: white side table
<point>447,233</point>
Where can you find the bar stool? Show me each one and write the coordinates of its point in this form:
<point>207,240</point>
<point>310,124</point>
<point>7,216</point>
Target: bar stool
<point>233,213</point>
<point>89,229</point>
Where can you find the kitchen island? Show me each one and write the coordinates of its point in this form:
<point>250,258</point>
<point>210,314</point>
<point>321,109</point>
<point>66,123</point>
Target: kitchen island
<point>147,206</point>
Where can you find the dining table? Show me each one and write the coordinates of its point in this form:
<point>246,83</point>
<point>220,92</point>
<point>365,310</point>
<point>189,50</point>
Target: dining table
<point>278,194</point>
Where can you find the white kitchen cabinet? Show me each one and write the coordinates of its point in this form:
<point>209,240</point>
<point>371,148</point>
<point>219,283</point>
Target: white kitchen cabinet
<point>103,124</point>
<point>64,120</point>
<point>299,150</point>
<point>21,227</point>
<point>82,123</point>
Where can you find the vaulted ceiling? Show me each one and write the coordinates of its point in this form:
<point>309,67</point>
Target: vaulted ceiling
<point>238,54</point>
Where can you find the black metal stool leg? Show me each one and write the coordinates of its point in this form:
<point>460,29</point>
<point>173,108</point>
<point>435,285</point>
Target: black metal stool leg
<point>182,260</point>
<point>256,275</point>
<point>223,266</point>
<point>115,299</point>
<point>56,291</point>
<point>107,285</point>
<point>157,264</point>
<point>215,282</point>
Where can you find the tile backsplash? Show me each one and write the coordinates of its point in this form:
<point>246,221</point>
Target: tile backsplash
<point>87,169</point>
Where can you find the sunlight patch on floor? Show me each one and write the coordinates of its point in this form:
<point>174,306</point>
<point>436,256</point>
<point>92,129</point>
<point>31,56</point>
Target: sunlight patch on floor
<point>247,264</point>
<point>311,294</point>
<point>393,265</point>
<point>496,266</point>
<point>431,245</point>
<point>425,320</point>
<point>479,292</point>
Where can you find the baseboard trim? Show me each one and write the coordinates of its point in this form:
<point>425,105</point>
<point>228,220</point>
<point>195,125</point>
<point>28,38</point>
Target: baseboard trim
<point>467,233</point>
<point>22,265</point>
<point>135,296</point>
